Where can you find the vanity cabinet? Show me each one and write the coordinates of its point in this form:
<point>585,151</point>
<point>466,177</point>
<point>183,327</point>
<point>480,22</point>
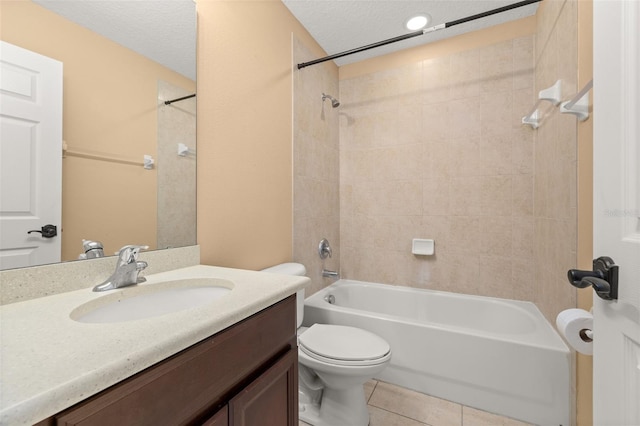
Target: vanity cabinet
<point>244,375</point>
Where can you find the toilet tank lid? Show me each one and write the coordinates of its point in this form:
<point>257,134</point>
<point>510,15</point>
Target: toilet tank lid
<point>290,268</point>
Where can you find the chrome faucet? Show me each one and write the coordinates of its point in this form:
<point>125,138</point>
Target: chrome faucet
<point>127,269</point>
<point>330,274</point>
<point>324,249</point>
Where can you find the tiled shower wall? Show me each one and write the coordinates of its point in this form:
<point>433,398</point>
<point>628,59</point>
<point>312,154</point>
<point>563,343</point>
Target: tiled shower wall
<point>436,149</point>
<point>555,240</point>
<point>316,203</point>
<point>176,174</point>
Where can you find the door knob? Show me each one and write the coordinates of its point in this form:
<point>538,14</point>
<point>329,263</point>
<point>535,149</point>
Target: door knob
<point>47,231</point>
<point>603,279</point>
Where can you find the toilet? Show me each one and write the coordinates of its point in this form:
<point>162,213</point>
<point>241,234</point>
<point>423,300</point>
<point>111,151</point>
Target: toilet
<point>334,362</point>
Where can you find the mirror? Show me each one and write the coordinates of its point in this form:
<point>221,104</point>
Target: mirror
<point>114,114</point>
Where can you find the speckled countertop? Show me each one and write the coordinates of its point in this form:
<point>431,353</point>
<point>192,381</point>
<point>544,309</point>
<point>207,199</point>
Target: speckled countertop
<point>48,361</point>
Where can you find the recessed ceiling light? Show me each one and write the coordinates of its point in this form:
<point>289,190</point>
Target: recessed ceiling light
<point>417,22</point>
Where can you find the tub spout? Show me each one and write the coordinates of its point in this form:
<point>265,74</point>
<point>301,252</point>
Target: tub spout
<point>330,274</point>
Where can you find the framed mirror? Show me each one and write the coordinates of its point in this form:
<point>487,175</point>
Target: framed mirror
<point>121,61</point>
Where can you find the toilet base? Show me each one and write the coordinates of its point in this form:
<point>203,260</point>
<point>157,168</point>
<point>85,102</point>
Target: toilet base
<point>344,407</point>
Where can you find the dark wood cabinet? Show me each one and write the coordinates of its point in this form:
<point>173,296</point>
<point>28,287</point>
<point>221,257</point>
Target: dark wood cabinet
<point>221,418</point>
<point>271,399</point>
<point>244,375</point>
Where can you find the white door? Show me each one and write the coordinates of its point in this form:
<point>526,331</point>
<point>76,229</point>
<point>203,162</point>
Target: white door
<point>30,157</point>
<point>616,355</point>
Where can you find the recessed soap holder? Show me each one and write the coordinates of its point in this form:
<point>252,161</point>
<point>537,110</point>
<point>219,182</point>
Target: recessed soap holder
<point>423,247</point>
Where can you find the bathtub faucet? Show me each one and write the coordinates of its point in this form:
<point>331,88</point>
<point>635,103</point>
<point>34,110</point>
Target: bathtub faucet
<point>330,274</point>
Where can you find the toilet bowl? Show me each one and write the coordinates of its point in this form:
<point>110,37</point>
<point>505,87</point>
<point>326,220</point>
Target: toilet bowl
<point>334,362</point>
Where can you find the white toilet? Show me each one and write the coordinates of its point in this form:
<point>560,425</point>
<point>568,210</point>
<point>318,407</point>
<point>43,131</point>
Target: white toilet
<point>334,362</point>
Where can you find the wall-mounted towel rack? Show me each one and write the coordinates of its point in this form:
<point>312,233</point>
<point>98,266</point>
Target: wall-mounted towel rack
<point>147,161</point>
<point>579,104</point>
<point>533,117</point>
<point>184,150</point>
<point>169,102</point>
<point>550,94</point>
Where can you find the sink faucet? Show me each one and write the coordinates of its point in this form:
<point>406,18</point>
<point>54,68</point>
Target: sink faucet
<point>127,269</point>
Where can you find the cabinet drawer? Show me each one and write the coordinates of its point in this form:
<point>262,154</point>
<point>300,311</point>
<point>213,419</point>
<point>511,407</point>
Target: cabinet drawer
<point>194,383</point>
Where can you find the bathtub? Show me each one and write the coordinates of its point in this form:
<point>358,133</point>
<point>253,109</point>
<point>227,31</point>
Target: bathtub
<point>496,355</point>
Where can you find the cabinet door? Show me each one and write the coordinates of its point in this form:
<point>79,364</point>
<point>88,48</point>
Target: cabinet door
<point>221,418</point>
<point>271,399</point>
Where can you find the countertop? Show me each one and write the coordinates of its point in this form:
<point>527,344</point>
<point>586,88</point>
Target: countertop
<point>49,362</point>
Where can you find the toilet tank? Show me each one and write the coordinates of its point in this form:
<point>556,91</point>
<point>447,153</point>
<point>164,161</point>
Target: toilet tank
<point>296,269</point>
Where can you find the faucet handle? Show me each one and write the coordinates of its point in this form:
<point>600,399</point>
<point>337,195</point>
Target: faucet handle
<point>324,249</point>
<point>129,254</point>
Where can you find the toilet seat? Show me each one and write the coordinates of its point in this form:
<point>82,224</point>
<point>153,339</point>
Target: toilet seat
<point>343,345</point>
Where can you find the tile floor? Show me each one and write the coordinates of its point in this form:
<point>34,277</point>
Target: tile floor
<point>391,405</point>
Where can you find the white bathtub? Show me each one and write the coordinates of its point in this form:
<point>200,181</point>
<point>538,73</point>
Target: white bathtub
<point>496,355</point>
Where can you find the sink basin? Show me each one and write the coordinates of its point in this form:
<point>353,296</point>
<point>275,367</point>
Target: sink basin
<point>139,302</point>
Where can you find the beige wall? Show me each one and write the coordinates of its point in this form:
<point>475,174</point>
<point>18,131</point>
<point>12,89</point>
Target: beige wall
<point>110,96</point>
<point>245,131</point>
<point>584,382</point>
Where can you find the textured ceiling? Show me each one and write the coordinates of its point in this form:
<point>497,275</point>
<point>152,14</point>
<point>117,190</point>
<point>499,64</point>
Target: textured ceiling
<point>161,30</point>
<point>165,30</point>
<point>340,25</point>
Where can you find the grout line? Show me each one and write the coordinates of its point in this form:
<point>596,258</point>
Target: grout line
<point>374,389</point>
<point>400,415</point>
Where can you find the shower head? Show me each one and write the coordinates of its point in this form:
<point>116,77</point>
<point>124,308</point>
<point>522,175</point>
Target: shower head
<point>334,102</point>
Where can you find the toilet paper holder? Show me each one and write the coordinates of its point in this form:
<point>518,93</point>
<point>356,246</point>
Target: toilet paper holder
<point>603,278</point>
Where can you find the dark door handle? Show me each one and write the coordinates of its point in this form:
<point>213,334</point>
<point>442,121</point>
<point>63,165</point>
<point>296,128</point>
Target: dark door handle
<point>603,278</point>
<point>47,231</point>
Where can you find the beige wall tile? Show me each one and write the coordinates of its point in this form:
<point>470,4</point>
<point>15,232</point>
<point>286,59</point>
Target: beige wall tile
<point>465,83</point>
<point>522,149</point>
<point>495,276</point>
<point>436,123</point>
<point>496,67</point>
<point>435,195</point>
<point>436,80</point>
<point>496,157</point>
<point>523,48</point>
<point>496,236</point>
<point>522,195</point>
<point>465,117</point>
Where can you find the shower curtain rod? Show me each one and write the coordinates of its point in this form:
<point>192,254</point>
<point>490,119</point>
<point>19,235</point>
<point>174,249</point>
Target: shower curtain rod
<point>418,33</point>
<point>179,99</point>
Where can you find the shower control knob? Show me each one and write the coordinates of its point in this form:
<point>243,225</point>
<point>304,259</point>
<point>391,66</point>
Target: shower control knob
<point>324,249</point>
